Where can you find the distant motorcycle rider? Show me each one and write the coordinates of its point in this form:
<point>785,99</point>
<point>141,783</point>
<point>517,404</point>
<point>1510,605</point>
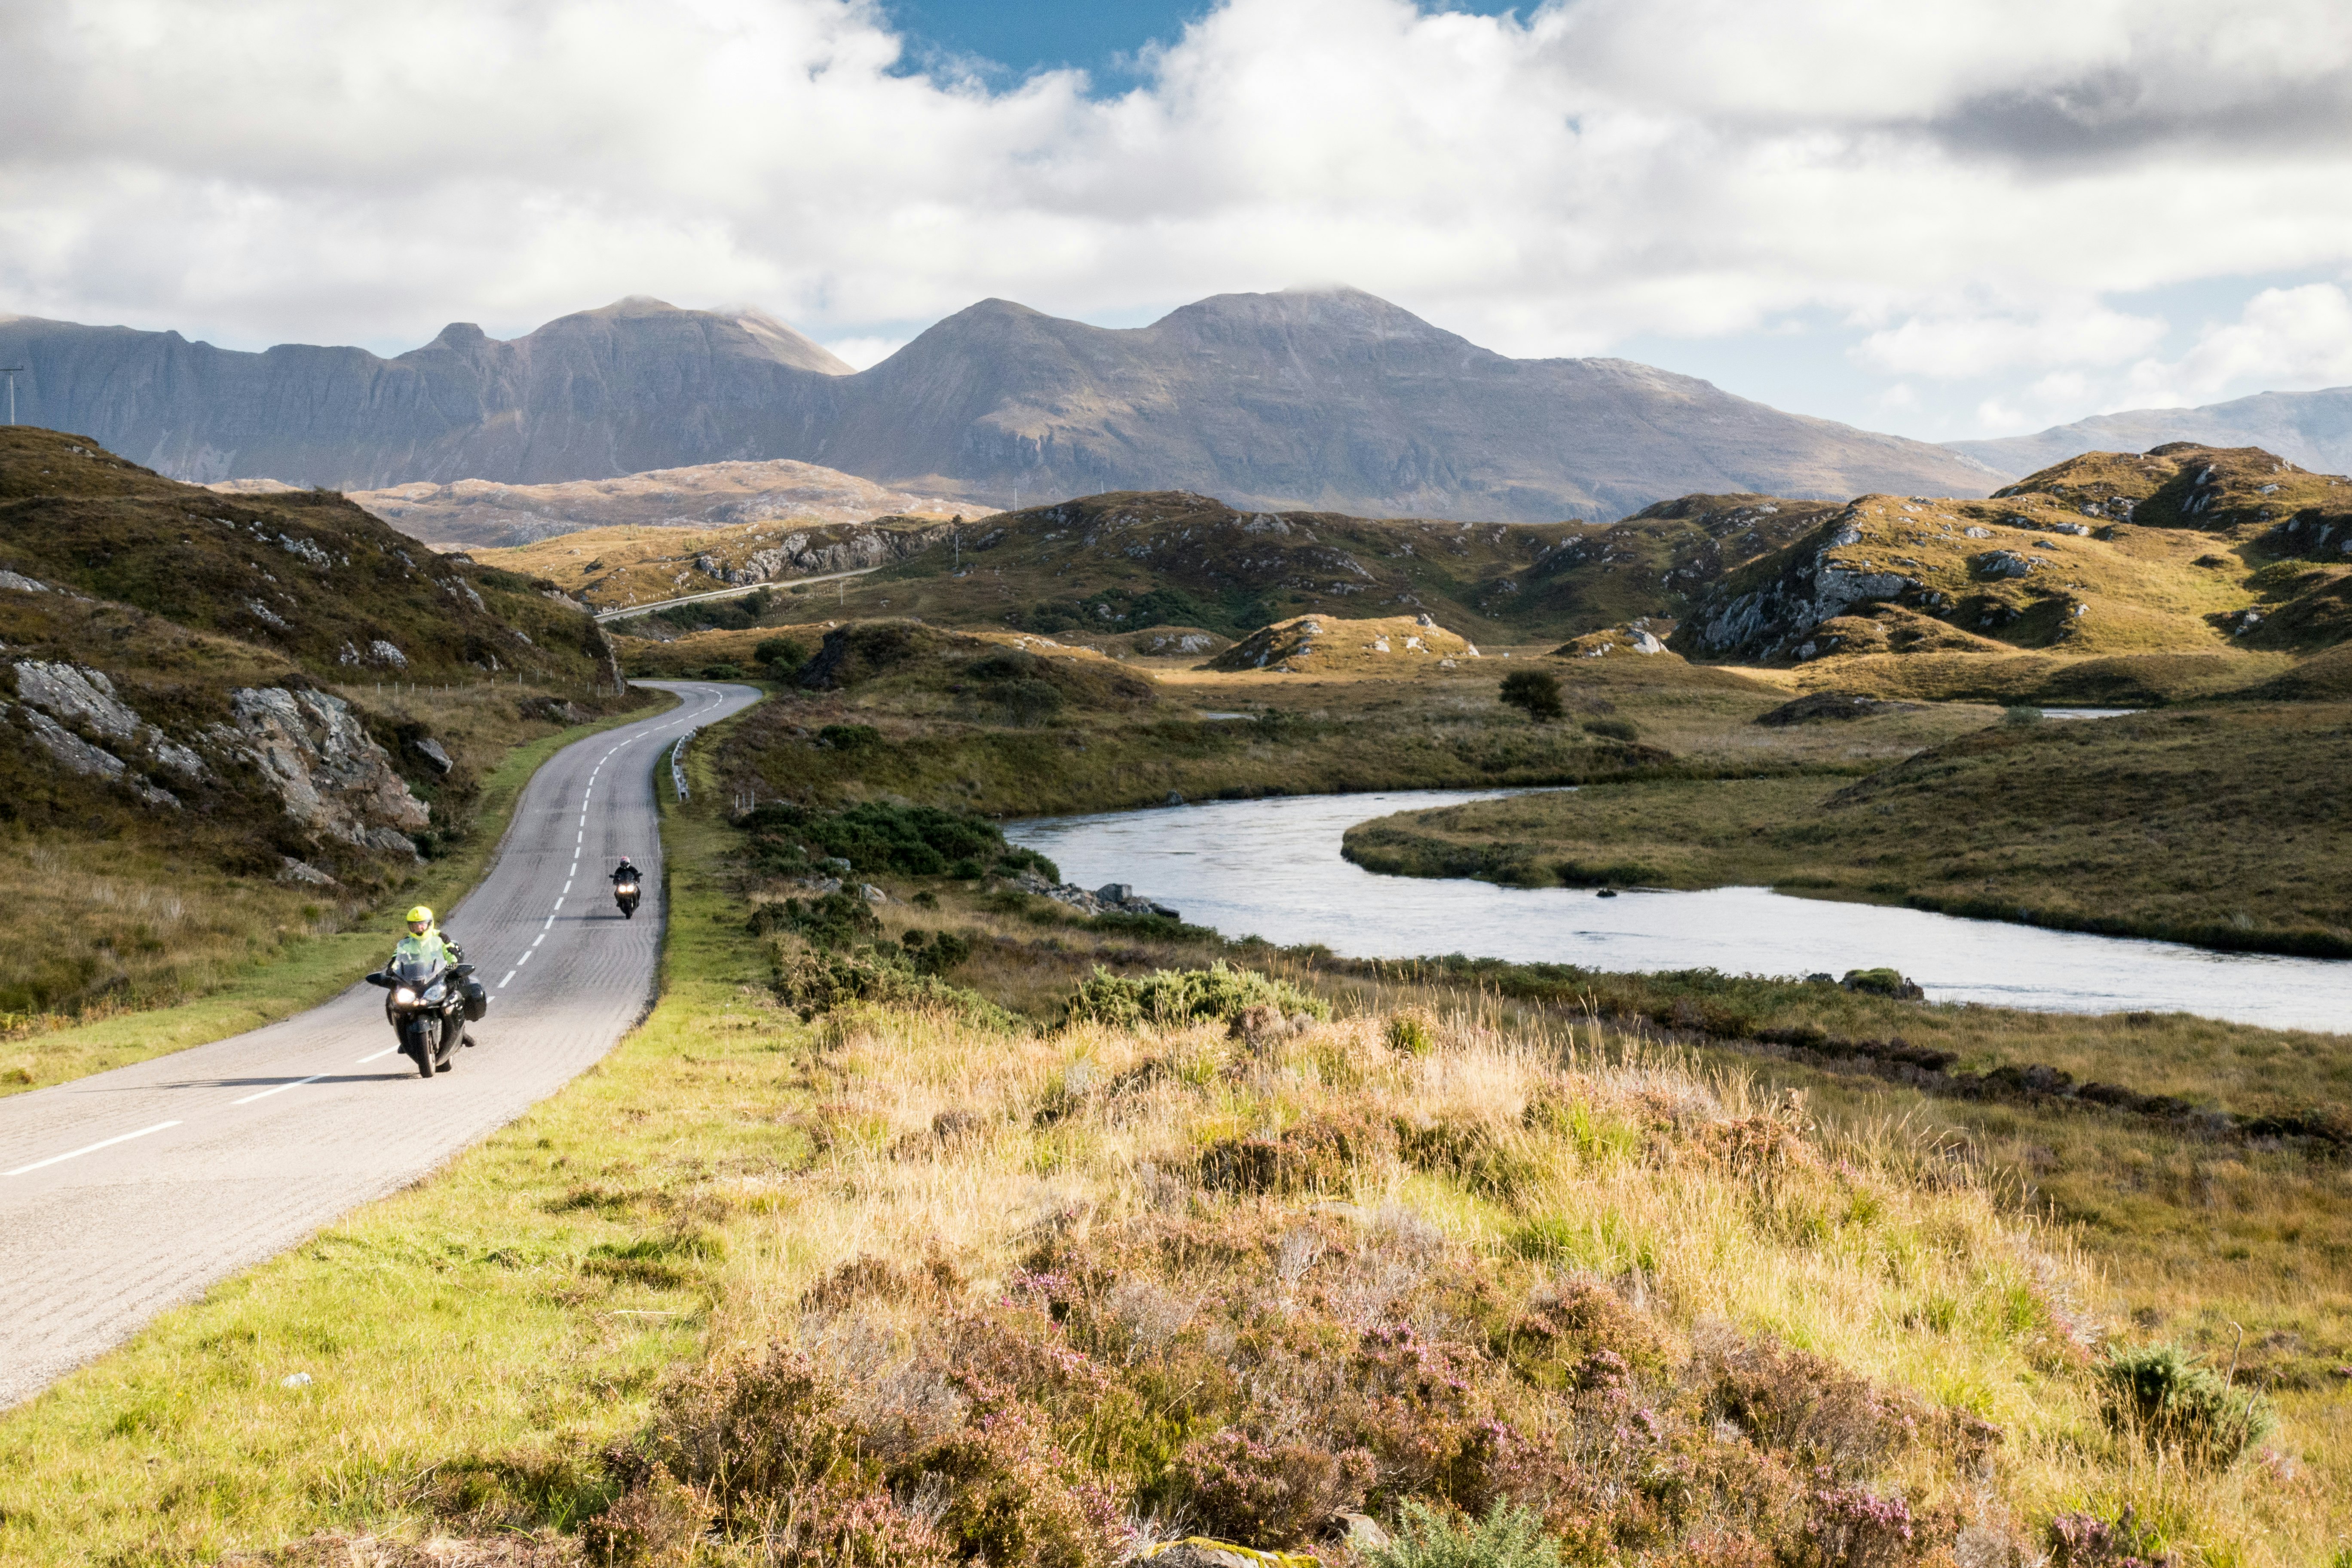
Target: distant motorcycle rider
<point>624,872</point>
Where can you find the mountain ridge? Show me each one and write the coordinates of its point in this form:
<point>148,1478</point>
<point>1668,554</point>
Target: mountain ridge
<point>2311,429</point>
<point>1326,399</point>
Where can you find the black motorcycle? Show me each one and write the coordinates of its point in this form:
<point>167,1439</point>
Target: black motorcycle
<point>625,895</point>
<point>428,1005</point>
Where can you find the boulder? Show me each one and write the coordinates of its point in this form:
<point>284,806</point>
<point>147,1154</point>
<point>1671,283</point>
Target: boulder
<point>1815,705</point>
<point>327,771</point>
<point>436,756</point>
<point>2005,563</point>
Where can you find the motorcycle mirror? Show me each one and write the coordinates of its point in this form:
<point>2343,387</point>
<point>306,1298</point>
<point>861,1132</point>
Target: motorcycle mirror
<point>462,971</point>
<point>380,979</point>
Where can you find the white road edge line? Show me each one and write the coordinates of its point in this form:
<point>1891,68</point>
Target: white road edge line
<point>281,1089</point>
<point>88,1148</point>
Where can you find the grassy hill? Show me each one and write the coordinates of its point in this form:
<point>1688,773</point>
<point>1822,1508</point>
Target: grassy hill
<point>234,724</point>
<point>2185,551</point>
<point>1111,565</point>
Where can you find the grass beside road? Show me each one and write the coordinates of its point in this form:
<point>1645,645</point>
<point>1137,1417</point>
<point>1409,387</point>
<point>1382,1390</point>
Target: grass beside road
<point>475,1345</point>
<point>305,952</point>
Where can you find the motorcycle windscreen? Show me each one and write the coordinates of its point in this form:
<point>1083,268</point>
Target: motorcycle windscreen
<point>416,974</point>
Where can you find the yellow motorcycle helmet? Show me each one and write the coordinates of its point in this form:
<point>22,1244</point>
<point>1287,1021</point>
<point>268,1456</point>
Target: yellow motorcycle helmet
<point>420,916</point>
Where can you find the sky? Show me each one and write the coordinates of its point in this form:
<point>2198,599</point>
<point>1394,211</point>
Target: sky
<point>1945,219</point>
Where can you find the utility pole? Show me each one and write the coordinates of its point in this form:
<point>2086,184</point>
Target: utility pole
<point>12,371</point>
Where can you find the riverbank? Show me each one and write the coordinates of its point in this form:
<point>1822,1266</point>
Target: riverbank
<point>2224,827</point>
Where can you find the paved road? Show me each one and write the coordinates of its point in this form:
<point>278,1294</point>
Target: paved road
<point>129,1192</point>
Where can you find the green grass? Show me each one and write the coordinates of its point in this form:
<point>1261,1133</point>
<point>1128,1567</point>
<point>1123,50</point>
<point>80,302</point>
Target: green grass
<point>472,1342</point>
<point>301,967</point>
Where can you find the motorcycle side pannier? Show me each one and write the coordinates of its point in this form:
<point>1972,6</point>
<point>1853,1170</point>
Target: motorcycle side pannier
<point>477,1000</point>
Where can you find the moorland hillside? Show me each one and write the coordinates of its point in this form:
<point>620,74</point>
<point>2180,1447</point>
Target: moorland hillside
<point>2182,550</point>
<point>1110,565</point>
<point>237,720</point>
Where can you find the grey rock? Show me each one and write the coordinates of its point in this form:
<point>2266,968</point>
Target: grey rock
<point>71,752</point>
<point>302,871</point>
<point>1323,397</point>
<point>2005,563</point>
<point>21,584</point>
<point>1973,532</point>
<point>435,755</point>
<point>872,894</point>
<point>79,695</point>
<point>1173,799</point>
<point>327,771</point>
<point>1643,642</point>
<point>1773,621</point>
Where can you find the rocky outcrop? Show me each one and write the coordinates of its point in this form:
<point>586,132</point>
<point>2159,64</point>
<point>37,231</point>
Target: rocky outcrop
<point>1110,899</point>
<point>76,716</point>
<point>807,555</point>
<point>1819,705</point>
<point>1772,621</point>
<point>325,768</point>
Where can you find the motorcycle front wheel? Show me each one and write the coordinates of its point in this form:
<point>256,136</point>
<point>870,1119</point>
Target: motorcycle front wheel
<point>417,1045</point>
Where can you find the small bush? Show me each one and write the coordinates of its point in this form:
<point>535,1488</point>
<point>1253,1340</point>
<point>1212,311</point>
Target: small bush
<point>2164,1395</point>
<point>1411,1033</point>
<point>1172,996</point>
<point>849,737</point>
<point>1613,729</point>
<point>2021,715</point>
<point>833,921</point>
<point>1534,692</point>
<point>782,656</point>
<point>653,1524</point>
<point>933,952</point>
<point>1507,1538</point>
<point>814,982</point>
<point>1268,1495</point>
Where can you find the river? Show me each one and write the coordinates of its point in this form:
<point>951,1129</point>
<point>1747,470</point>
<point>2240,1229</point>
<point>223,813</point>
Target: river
<point>1272,869</point>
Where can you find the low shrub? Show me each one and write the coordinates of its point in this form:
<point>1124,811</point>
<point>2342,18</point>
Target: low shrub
<point>1268,1494</point>
<point>815,983</point>
<point>829,922</point>
<point>874,836</point>
<point>1411,1033</point>
<point>2164,1395</point>
<point>1613,729</point>
<point>1169,997</point>
<point>1507,1538</point>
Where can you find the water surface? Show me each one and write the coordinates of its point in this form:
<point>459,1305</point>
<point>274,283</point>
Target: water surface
<point>1272,869</point>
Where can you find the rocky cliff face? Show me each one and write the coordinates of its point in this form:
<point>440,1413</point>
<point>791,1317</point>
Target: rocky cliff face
<point>1329,399</point>
<point>310,750</point>
<point>1771,619</point>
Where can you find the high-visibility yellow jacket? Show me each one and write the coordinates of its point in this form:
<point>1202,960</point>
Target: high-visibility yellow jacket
<point>431,947</point>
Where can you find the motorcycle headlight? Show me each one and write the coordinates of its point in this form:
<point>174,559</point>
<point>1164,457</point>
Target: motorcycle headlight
<point>433,994</point>
<point>626,889</point>
<point>404,997</point>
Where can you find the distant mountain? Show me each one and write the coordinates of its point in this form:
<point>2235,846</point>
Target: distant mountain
<point>1329,399</point>
<point>2312,429</point>
<point>484,512</point>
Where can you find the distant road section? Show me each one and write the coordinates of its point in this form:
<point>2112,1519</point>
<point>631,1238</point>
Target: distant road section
<point>651,605</point>
<point>130,1192</point>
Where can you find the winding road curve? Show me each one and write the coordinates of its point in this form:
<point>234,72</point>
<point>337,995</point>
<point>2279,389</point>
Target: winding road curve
<point>131,1191</point>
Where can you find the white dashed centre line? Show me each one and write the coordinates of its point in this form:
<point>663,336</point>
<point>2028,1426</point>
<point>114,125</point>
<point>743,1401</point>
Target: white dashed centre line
<point>504,983</point>
<point>88,1148</point>
<point>567,884</point>
<point>539,938</point>
<point>379,1056</point>
<point>281,1089</point>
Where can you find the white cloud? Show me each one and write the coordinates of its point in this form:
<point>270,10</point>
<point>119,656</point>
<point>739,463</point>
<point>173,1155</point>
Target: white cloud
<point>2285,340</point>
<point>861,352</point>
<point>1969,177</point>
